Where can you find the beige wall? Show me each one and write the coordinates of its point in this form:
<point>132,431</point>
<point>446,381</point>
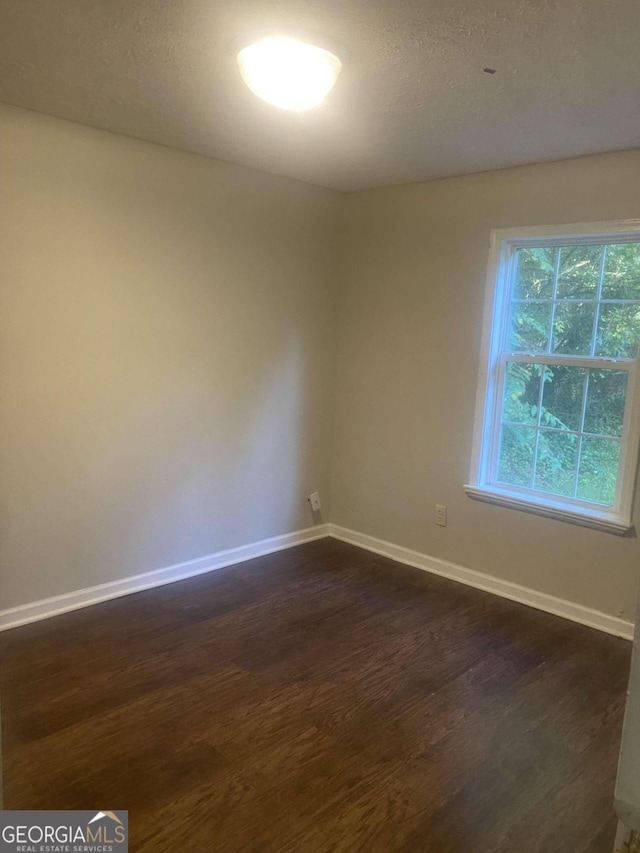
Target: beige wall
<point>167,350</point>
<point>414,267</point>
<point>167,344</point>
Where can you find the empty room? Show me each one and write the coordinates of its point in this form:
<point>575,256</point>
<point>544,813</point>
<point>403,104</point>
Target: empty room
<point>319,426</point>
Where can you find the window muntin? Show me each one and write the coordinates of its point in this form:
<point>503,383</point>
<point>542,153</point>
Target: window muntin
<point>560,429</point>
<point>559,409</point>
<point>579,300</point>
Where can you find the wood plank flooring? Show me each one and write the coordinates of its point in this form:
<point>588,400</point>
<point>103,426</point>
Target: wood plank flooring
<point>319,699</point>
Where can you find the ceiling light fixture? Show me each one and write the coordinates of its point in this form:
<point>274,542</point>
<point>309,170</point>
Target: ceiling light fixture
<point>288,73</point>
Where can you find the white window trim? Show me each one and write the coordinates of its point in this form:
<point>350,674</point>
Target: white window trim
<point>616,519</point>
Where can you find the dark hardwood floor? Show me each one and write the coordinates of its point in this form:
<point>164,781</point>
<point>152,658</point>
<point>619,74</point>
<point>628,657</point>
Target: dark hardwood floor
<point>319,699</point>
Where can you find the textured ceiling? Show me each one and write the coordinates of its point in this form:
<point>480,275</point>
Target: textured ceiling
<point>412,102</point>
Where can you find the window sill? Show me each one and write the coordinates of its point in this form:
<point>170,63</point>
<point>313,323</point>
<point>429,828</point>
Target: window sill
<point>609,522</point>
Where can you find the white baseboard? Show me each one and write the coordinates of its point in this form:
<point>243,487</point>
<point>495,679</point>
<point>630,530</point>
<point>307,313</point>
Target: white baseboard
<point>47,607</point>
<point>488,583</point>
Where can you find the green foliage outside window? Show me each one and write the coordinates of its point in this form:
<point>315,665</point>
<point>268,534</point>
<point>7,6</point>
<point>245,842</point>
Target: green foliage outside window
<point>561,424</point>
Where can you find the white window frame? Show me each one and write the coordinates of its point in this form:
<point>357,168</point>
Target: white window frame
<point>504,242</point>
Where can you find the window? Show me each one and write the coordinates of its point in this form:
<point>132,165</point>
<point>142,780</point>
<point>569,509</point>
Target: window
<point>557,419</point>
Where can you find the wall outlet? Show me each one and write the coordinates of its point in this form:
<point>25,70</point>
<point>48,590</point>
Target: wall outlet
<point>441,515</point>
<point>314,500</point>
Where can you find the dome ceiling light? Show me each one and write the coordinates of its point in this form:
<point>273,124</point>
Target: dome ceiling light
<point>288,73</point>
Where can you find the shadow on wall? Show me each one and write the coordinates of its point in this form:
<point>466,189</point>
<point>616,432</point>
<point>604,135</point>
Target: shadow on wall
<point>204,459</point>
<point>164,327</point>
<point>232,464</point>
